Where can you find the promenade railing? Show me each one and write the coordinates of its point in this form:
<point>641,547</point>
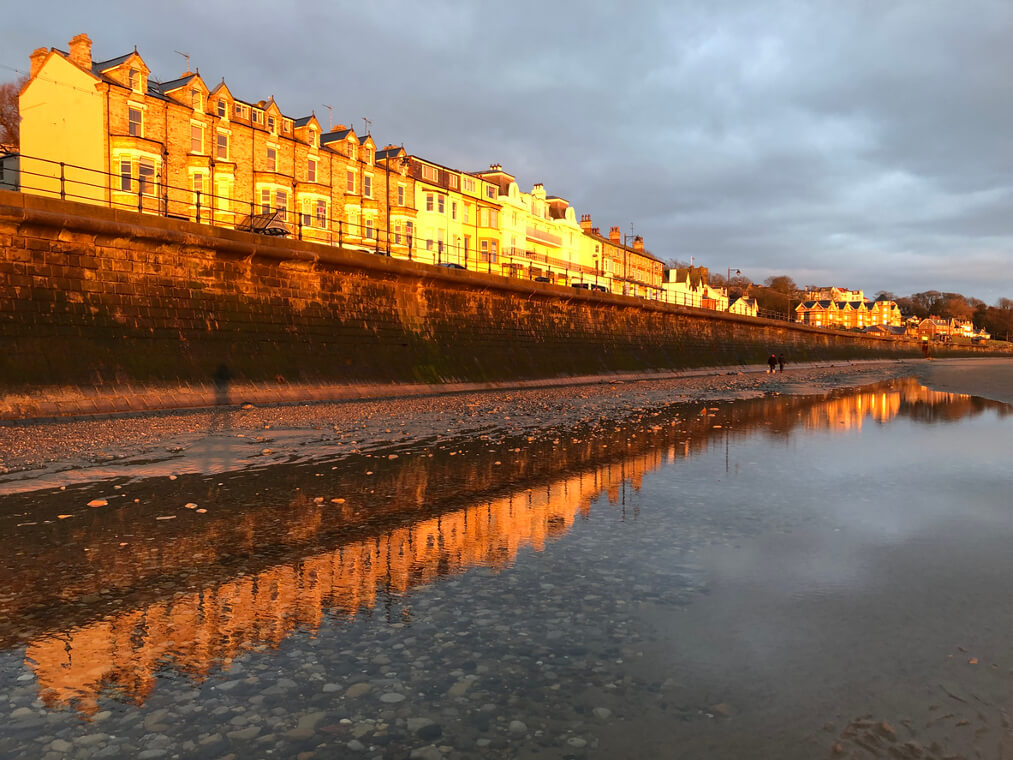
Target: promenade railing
<point>390,230</point>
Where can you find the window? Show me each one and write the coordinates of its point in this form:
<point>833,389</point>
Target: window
<point>146,177</point>
<point>125,175</point>
<point>490,191</point>
<point>222,108</point>
<point>238,110</point>
<point>429,173</point>
<point>320,211</point>
<point>352,152</point>
<point>349,181</point>
<point>313,138</point>
<point>367,156</point>
<point>409,228</point>
<point>452,181</point>
<point>135,125</point>
<point>369,229</point>
<point>198,186</point>
<point>453,210</point>
<point>311,170</point>
<point>272,160</point>
<point>281,203</point>
<point>468,184</point>
<point>440,201</point>
<point>367,186</point>
<point>397,232</point>
<point>429,244</point>
<point>286,125</point>
<point>429,201</point>
<point>258,117</point>
<point>483,217</point>
<point>196,100</point>
<point>265,201</point>
<point>400,195</point>
<point>493,220</point>
<point>196,138</point>
<point>134,79</point>
<point>223,146</point>
<point>467,213</point>
<point>223,192</point>
<point>270,123</point>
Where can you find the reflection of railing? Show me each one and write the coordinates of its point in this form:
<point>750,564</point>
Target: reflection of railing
<point>261,604</point>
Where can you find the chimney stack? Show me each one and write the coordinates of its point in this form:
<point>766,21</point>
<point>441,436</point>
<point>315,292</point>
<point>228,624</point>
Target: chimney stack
<point>595,231</point>
<point>615,236</point>
<point>585,222</point>
<point>80,51</point>
<point>638,243</point>
<point>37,59</point>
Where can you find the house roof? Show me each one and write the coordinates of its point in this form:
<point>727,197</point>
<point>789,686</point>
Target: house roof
<point>99,66</point>
<point>175,84</point>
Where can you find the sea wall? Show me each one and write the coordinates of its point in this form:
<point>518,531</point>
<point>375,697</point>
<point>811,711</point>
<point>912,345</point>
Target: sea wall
<point>94,297</point>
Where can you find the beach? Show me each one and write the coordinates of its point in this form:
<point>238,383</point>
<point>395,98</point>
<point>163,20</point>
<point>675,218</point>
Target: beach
<point>90,446</point>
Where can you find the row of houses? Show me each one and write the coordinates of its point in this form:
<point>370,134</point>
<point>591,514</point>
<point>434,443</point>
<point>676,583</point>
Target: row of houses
<point>945,330</point>
<point>846,310</point>
<point>107,132</point>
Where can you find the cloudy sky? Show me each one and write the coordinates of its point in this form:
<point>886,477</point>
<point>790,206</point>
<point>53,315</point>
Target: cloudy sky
<point>863,143</point>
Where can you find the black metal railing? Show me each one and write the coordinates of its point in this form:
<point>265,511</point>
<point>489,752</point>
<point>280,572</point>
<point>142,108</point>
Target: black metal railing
<point>139,187</point>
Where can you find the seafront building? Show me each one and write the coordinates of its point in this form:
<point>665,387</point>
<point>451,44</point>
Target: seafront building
<point>845,309</point>
<point>108,132</point>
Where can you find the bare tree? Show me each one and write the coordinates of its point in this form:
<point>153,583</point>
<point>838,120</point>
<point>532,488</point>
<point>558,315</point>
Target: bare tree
<point>10,119</point>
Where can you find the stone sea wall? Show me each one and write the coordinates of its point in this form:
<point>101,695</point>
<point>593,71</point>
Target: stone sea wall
<point>101,298</point>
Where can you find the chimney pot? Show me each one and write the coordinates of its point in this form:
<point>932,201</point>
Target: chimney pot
<point>80,51</point>
<point>614,235</point>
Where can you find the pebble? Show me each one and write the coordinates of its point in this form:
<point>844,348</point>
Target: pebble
<point>392,697</point>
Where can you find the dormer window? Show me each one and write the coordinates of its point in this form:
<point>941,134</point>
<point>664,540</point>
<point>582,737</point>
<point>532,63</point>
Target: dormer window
<point>367,156</point>
<point>313,137</point>
<point>196,100</point>
<point>352,152</point>
<point>135,80</point>
<point>223,108</point>
<point>271,123</point>
<point>286,125</point>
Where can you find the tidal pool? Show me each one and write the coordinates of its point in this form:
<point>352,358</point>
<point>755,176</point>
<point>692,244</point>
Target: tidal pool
<point>785,577</point>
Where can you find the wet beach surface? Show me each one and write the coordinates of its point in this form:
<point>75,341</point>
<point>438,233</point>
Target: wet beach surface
<point>607,572</point>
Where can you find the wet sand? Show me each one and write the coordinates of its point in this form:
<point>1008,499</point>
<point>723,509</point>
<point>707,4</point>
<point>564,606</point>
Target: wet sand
<point>93,448</point>
<point>988,378</point>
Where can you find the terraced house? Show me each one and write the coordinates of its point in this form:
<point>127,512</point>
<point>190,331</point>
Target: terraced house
<point>107,132</point>
<point>845,309</point>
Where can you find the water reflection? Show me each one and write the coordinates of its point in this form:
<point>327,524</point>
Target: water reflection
<point>106,599</point>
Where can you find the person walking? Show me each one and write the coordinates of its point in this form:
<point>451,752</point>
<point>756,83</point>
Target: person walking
<point>780,362</point>
<point>772,363</point>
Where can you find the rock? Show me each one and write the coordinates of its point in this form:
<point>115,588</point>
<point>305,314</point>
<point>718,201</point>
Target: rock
<point>460,688</point>
<point>518,728</point>
<point>356,746</point>
<point>330,688</point>
<point>414,724</point>
<point>151,754</point>
<point>392,698</point>
<point>357,690</point>
<point>431,732</point>
<point>722,708</point>
<point>90,740</point>
<point>60,745</point>
<point>244,734</point>
<point>426,753</point>
<point>576,742</point>
<point>602,713</point>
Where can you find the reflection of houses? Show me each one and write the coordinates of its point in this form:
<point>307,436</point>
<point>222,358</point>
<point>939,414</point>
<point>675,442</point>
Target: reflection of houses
<point>846,310</point>
<point>207,629</point>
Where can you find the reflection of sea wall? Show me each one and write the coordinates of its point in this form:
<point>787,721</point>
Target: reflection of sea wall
<point>195,632</point>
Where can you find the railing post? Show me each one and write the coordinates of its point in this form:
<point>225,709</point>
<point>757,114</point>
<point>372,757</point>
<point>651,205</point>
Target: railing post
<point>197,194</point>
<point>340,231</point>
<point>63,181</point>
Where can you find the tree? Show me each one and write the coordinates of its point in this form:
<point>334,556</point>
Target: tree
<point>885,295</point>
<point>782,284</point>
<point>10,118</point>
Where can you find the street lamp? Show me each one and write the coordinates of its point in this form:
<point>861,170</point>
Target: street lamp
<point>728,287</point>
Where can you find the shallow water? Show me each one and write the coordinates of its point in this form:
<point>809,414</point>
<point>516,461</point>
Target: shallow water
<point>787,577</point>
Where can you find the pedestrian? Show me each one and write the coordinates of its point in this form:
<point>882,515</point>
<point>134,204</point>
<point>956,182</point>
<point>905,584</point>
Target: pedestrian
<point>772,363</point>
<point>780,362</point>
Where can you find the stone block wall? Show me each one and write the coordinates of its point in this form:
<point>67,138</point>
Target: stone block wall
<point>92,296</point>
